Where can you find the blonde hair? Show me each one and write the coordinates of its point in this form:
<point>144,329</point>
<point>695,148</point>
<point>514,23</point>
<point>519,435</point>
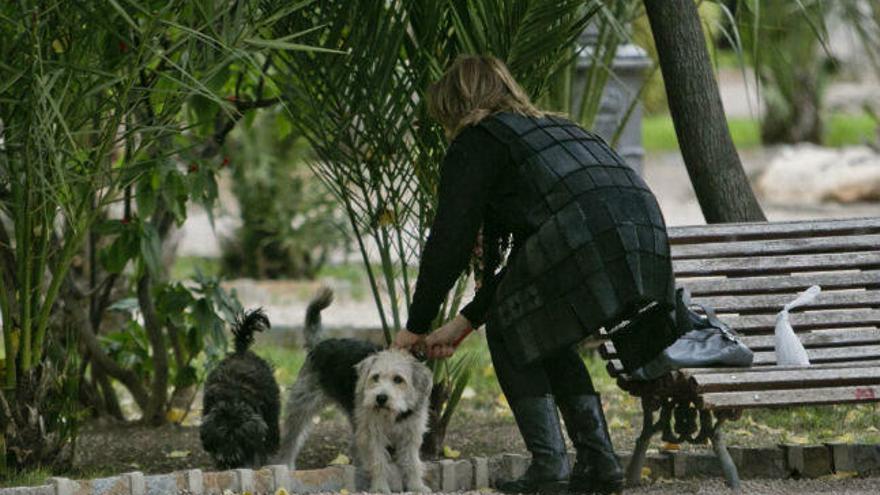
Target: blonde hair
<point>473,88</point>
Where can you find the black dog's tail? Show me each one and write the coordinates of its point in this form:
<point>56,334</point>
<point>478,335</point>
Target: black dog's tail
<point>312,329</point>
<point>246,323</point>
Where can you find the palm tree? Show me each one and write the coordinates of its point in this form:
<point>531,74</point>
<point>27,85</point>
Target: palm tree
<point>365,117</point>
<point>787,43</point>
<point>95,97</point>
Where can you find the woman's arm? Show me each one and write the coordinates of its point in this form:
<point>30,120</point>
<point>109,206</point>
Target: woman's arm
<point>466,178</point>
<point>476,310</point>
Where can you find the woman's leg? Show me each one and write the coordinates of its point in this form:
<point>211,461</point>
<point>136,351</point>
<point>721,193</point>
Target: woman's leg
<point>597,469</point>
<point>528,393</point>
<point>516,381</point>
<point>567,374</point>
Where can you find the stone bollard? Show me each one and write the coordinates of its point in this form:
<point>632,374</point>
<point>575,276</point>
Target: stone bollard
<point>63,486</point>
<point>245,480</point>
<point>281,477</point>
<point>481,472</point>
<point>193,481</point>
<point>136,482</point>
<point>809,461</point>
<point>447,475</point>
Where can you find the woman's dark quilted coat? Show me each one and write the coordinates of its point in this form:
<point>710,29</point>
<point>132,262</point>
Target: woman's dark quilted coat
<point>589,241</point>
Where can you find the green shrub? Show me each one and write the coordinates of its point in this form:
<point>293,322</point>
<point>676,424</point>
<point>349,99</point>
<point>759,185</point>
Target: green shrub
<point>290,223</point>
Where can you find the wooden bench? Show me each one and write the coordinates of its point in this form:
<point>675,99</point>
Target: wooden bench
<point>747,272</point>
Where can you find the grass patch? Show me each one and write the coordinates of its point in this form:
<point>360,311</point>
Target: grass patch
<point>349,272</point>
<point>768,427</point>
<point>846,129</point>
<point>30,477</point>
<point>658,132</point>
<point>286,360</point>
<point>185,267</point>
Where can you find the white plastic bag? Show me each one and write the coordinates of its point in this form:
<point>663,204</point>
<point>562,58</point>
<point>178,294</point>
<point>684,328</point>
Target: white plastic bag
<point>789,350</point>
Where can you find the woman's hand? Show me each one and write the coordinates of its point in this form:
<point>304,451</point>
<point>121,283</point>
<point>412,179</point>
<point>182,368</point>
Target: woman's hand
<point>441,342</point>
<point>407,340</point>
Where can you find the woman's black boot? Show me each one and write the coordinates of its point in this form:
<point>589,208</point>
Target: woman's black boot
<point>597,469</point>
<point>539,426</point>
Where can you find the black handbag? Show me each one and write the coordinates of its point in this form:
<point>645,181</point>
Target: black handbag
<point>706,341</point>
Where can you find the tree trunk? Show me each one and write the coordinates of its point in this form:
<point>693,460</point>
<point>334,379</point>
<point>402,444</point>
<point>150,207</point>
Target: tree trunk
<point>712,162</point>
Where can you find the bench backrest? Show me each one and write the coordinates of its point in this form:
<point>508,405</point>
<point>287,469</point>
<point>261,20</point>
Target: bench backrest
<point>748,272</point>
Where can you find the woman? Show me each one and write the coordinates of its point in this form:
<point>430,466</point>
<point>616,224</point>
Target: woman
<point>588,250</point>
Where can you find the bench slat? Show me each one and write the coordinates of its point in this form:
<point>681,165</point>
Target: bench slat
<point>777,264</point>
<point>772,230</point>
<point>615,368</point>
<point>836,337</point>
<point>869,279</point>
<point>786,379</point>
<point>773,303</point>
<point>820,338</point>
<point>797,397</point>
<point>752,324</point>
<point>816,354</point>
<point>760,369</point>
<point>777,247</point>
<point>826,354</point>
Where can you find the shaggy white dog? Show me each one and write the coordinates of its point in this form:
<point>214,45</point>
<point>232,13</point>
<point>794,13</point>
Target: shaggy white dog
<point>384,393</point>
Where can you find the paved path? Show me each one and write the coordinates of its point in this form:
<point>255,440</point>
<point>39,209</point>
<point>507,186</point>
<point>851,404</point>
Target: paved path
<point>711,486</point>
<point>863,486</point>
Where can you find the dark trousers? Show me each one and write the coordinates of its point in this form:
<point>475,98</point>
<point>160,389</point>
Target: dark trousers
<point>562,374</point>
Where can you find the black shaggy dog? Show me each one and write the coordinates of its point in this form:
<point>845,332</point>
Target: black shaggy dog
<point>241,405</point>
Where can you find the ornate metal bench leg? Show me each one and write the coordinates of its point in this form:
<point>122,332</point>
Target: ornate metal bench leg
<point>720,447</point>
<point>637,462</point>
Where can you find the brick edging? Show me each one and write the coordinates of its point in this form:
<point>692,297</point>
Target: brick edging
<point>470,474</point>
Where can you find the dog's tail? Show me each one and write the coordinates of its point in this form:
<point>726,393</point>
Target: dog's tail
<point>312,329</point>
<point>246,323</point>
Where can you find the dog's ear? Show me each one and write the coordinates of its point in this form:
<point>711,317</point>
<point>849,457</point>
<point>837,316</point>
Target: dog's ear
<point>423,379</point>
<point>364,365</point>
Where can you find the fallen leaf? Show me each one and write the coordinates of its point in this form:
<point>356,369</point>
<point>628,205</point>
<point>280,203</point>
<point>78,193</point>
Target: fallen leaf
<point>341,459</point>
<point>845,438</point>
<point>177,454</point>
<point>842,475</point>
<point>619,424</point>
<point>852,416</point>
<point>741,432</point>
<point>450,453</point>
<point>281,491</point>
<point>646,473</point>
<point>768,429</point>
<point>175,415</point>
<point>799,439</point>
<point>343,492</point>
<point>669,446</point>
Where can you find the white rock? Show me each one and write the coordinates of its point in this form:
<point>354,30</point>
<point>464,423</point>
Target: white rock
<point>806,173</point>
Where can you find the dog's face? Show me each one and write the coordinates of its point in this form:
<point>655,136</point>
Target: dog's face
<point>392,382</point>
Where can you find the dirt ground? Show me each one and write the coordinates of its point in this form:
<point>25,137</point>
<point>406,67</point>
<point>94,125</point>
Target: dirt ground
<point>108,448</point>
<point>114,448</point>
